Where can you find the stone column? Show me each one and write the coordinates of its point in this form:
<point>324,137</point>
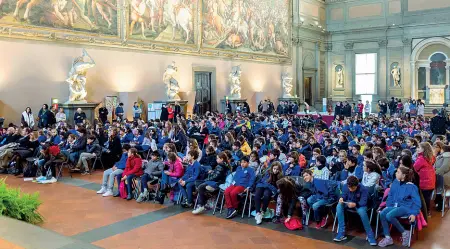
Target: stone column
<point>330,71</point>
<point>300,83</point>
<point>349,59</point>
<point>316,90</point>
<point>427,91</point>
<point>406,71</point>
<point>382,79</point>
<point>447,87</point>
<point>414,77</point>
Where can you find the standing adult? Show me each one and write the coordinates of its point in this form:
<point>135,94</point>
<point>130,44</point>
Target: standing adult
<point>27,119</point>
<point>337,110</point>
<point>228,108</point>
<point>44,116</point>
<point>420,108</point>
<point>164,113</point>
<point>120,112</point>
<point>61,116</point>
<point>136,111</point>
<point>438,125</point>
<point>79,117</point>
<point>392,106</point>
<point>103,114</point>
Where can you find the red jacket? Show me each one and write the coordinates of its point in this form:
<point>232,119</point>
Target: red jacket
<point>426,172</point>
<point>360,107</point>
<point>170,111</point>
<point>133,166</point>
<point>176,169</point>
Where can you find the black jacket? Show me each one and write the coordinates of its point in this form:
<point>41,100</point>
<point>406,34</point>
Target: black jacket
<point>219,174</point>
<point>209,160</point>
<point>80,144</point>
<point>79,117</point>
<point>103,113</point>
<point>438,125</point>
<point>164,114</point>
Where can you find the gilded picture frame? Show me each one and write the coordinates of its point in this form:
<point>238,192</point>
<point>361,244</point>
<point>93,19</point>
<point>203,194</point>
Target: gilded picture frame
<point>123,41</point>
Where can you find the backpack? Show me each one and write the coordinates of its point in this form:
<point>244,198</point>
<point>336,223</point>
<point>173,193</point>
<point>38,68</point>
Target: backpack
<point>54,150</point>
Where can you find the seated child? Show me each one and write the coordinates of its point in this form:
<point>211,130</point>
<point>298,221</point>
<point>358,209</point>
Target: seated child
<point>372,174</point>
<point>215,177</point>
<point>403,200</point>
<point>173,171</point>
<point>133,169</point>
<point>116,171</point>
<point>354,196</point>
<point>153,170</point>
<point>187,182</point>
<point>320,170</point>
<point>322,195</point>
<point>243,179</point>
<point>292,167</point>
<point>265,189</point>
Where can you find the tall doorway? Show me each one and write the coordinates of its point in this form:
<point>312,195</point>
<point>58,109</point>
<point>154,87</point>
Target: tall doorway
<point>203,91</point>
<point>307,82</point>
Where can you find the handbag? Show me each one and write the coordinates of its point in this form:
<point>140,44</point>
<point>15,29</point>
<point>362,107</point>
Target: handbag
<point>123,190</point>
<point>294,224</point>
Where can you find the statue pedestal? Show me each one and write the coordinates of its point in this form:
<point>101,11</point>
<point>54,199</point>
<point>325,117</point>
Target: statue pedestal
<point>71,107</point>
<point>183,104</point>
<point>233,102</point>
<point>290,99</point>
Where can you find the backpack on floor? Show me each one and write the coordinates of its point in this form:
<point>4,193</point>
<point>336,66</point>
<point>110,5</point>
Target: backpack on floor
<point>123,190</point>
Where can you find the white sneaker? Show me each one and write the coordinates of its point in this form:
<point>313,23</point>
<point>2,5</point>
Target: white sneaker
<point>258,218</point>
<point>199,210</point>
<point>108,193</point>
<point>210,189</point>
<point>102,190</point>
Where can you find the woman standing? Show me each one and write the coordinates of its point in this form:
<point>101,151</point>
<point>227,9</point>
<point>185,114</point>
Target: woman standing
<point>27,119</point>
<point>420,109</point>
<point>44,116</point>
<point>114,151</point>
<point>424,167</point>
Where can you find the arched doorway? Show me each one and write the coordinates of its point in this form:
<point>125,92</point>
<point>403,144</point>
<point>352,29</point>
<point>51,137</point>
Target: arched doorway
<point>430,63</point>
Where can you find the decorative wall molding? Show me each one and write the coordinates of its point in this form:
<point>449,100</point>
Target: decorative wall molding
<point>349,45</point>
<point>383,43</point>
<point>406,41</point>
<point>329,46</point>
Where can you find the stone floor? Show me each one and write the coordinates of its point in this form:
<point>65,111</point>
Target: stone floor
<point>76,217</point>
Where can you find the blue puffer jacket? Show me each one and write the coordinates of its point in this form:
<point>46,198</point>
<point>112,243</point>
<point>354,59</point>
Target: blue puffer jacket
<point>263,183</point>
<point>324,189</point>
<point>405,195</point>
<point>192,172</point>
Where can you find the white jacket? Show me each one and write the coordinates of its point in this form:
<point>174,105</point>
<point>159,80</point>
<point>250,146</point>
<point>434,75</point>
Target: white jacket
<point>28,118</point>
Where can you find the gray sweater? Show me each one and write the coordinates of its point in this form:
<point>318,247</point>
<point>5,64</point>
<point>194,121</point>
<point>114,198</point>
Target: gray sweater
<point>154,168</point>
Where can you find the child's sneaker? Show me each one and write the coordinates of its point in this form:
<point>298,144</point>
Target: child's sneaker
<point>210,189</point>
<point>258,218</point>
<point>199,210</point>
<point>231,213</point>
<point>108,193</point>
<point>140,197</point>
<point>405,238</point>
<point>386,242</point>
<point>324,221</point>
<point>340,237</point>
<point>372,241</point>
<point>102,190</point>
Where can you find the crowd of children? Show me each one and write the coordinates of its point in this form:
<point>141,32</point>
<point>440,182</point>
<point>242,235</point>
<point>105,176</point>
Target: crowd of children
<point>348,165</point>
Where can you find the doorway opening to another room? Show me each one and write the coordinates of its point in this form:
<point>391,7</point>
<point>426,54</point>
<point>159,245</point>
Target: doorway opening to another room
<point>307,83</point>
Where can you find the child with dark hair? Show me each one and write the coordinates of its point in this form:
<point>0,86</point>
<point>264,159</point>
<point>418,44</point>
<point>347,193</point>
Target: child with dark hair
<point>152,171</point>
<point>320,170</point>
<point>173,171</point>
<point>265,189</point>
<point>323,193</point>
<point>292,167</point>
<point>354,196</point>
<point>403,200</point>
<point>215,177</point>
<point>372,174</point>
<point>210,158</point>
<point>115,172</point>
<point>351,168</point>
<point>187,182</point>
<point>243,179</point>
<point>236,151</point>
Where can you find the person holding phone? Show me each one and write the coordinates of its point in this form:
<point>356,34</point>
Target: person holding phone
<point>355,197</point>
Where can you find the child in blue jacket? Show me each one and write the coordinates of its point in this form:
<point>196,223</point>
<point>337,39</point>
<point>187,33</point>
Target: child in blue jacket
<point>292,168</point>
<point>243,180</point>
<point>403,200</point>
<point>323,194</point>
<point>355,197</point>
<point>265,189</point>
<point>187,182</point>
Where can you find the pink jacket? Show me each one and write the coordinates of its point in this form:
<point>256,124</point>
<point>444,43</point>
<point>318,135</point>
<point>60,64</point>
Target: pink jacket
<point>176,169</point>
<point>426,172</point>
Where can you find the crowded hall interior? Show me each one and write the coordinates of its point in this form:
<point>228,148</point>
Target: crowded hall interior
<point>189,124</point>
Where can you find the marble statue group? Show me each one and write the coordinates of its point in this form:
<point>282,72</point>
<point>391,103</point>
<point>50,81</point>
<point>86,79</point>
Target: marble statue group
<point>172,87</point>
<point>77,77</point>
<point>235,82</point>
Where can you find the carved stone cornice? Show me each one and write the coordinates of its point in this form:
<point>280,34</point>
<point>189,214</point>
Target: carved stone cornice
<point>349,45</point>
<point>383,43</point>
<point>406,42</point>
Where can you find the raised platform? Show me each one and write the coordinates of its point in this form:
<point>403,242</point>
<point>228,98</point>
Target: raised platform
<point>233,102</point>
<point>71,108</point>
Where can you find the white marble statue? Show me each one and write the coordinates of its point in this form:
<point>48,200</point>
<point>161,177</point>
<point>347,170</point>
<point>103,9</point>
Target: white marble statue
<point>395,72</point>
<point>77,77</point>
<point>235,83</point>
<point>286,81</point>
<point>172,87</point>
<point>339,78</point>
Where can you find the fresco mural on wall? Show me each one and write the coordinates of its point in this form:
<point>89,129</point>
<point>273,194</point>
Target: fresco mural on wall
<point>253,26</point>
<point>163,20</point>
<point>93,16</point>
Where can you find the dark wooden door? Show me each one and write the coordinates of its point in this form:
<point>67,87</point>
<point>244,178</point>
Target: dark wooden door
<point>203,91</point>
